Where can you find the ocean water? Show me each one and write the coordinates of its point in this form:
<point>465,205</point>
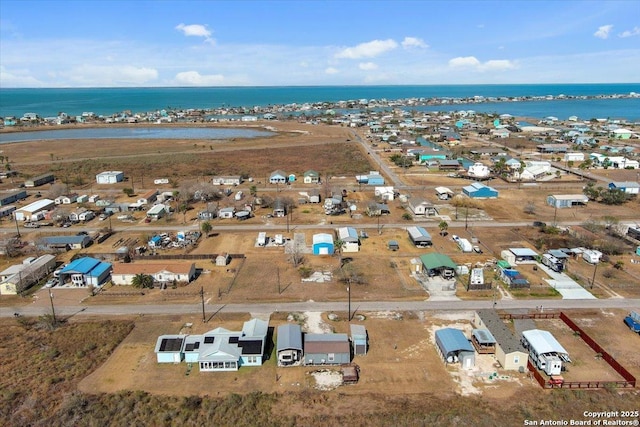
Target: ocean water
<point>107,101</point>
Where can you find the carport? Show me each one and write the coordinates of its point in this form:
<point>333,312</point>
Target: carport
<point>438,264</point>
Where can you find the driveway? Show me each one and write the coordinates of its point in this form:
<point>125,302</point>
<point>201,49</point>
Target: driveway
<point>564,284</point>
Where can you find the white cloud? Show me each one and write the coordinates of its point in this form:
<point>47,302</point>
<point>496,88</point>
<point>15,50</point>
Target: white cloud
<point>194,78</point>
<point>195,30</point>
<point>630,33</point>
<point>464,61</point>
<point>497,64</point>
<point>490,65</point>
<point>331,70</point>
<point>367,66</point>
<point>410,42</point>
<point>603,32</point>
<point>368,50</point>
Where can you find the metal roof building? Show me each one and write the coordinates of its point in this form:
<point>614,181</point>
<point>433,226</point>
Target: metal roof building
<point>350,239</point>
<point>454,346</point>
<point>567,200</point>
<point>289,344</point>
<point>419,236</point>
<point>543,342</point>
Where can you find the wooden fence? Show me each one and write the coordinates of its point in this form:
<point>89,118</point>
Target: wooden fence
<point>630,380</point>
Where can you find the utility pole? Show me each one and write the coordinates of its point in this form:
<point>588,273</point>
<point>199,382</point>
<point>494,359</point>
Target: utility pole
<point>593,279</point>
<point>53,310</point>
<point>466,218</point>
<point>202,299</point>
<point>17,228</point>
<point>349,306</point>
<point>278,278</point>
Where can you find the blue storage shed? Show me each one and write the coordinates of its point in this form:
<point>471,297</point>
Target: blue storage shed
<point>323,244</point>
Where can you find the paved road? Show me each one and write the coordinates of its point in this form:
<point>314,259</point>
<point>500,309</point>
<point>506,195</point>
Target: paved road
<point>365,306</point>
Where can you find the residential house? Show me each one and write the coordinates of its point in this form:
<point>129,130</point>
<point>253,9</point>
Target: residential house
<point>65,242</point>
<point>164,273</point>
<point>326,349</point>
<point>19,277</point>
<point>12,197</point>
<point>311,177</point>
<point>157,211</point>
<point>217,350</point>
<point>86,271</point>
<point>509,351</point>
<point>81,215</point>
<point>349,238</point>
<point>208,213</point>
<point>148,198</point>
<point>66,199</point>
<point>227,180</point>
<point>227,213</point>
<point>39,180</point>
<point>373,178</point>
<point>421,207</point>
<point>278,177</point>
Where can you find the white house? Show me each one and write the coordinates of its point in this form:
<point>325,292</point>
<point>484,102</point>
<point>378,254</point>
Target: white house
<point>110,177</point>
<point>66,199</point>
<point>34,211</point>
<point>421,207</point>
<point>227,180</point>
<point>574,157</point>
<point>226,213</point>
<point>478,170</point>
<point>162,273</point>
<point>384,193</point>
<point>23,275</point>
<point>349,238</point>
<point>157,211</point>
<point>148,197</point>
<point>82,215</point>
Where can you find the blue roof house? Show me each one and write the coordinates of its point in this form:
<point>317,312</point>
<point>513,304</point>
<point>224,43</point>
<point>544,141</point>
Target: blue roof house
<point>323,244</point>
<point>480,191</point>
<point>86,271</point>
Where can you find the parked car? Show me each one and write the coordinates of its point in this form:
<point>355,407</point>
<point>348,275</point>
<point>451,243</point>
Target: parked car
<point>51,283</point>
<point>31,225</point>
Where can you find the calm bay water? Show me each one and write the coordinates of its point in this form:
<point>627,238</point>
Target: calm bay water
<point>107,101</point>
<point>134,133</point>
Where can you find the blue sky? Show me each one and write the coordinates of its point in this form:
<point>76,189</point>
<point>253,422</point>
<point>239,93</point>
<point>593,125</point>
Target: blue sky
<point>263,43</point>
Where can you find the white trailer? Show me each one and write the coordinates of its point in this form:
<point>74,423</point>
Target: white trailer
<point>262,238</point>
<point>552,262</point>
<point>592,256</point>
<point>465,245</point>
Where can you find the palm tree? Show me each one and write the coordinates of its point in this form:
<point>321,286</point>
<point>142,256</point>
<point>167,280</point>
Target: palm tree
<point>443,226</point>
<point>206,228</point>
<point>338,246</point>
<point>142,281</point>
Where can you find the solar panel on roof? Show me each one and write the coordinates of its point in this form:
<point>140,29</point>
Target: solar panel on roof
<point>251,346</point>
<point>233,340</point>
<point>196,345</point>
<point>209,340</point>
<point>171,344</point>
<point>189,347</point>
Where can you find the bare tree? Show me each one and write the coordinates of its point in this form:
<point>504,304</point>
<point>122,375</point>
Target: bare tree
<point>57,190</point>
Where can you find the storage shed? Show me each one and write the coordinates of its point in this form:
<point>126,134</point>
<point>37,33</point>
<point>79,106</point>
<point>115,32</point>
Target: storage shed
<point>359,339</point>
<point>509,351</point>
<point>545,351</point>
<point>480,191</point>
<point>419,237</point>
<point>454,347</point>
<point>110,177</point>
<point>323,244</point>
<point>289,344</point>
<point>567,200</point>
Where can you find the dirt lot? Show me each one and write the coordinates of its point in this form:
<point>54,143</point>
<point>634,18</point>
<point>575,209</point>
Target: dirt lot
<point>396,363</point>
<point>585,364</point>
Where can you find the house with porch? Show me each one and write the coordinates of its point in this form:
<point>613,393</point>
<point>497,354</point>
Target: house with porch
<point>164,273</point>
<point>86,271</point>
<point>421,207</point>
<point>311,177</point>
<point>278,177</point>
